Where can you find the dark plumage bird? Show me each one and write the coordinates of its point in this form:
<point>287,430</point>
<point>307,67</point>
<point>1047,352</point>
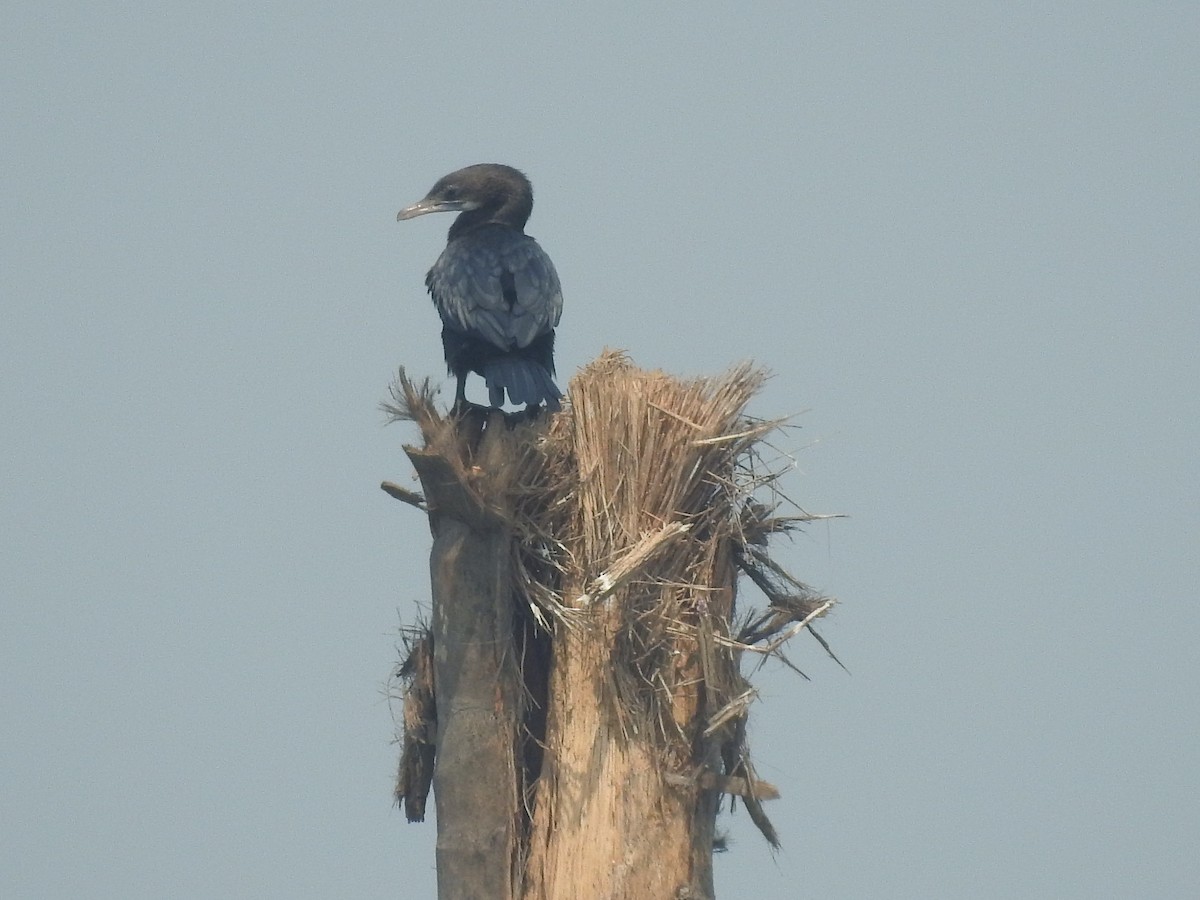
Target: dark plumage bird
<point>494,287</point>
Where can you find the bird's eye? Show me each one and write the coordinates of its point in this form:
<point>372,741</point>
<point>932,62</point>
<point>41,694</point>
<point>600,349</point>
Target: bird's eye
<point>450,192</point>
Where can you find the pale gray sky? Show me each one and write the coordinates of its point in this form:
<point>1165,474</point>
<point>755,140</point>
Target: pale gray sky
<point>964,237</point>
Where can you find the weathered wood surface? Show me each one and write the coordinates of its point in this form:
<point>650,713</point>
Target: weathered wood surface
<point>475,782</point>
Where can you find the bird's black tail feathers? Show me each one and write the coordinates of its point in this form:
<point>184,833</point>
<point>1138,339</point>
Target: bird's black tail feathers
<point>525,381</point>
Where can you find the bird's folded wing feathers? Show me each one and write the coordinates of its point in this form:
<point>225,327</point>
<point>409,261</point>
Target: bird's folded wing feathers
<point>467,284</point>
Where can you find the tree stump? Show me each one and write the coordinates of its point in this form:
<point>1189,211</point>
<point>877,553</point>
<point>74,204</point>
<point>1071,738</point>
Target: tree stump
<point>586,646</point>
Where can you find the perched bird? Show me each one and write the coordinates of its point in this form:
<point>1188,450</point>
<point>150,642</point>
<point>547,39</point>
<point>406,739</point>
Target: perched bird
<point>494,287</point>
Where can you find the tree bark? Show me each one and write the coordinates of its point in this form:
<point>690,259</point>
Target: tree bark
<point>478,689</point>
<point>607,823</point>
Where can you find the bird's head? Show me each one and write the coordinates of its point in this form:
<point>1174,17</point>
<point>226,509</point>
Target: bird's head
<point>484,194</point>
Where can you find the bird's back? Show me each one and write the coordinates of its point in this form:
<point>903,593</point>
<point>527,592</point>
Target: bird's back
<point>496,284</point>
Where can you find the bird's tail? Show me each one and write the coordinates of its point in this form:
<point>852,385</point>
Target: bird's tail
<point>525,381</point>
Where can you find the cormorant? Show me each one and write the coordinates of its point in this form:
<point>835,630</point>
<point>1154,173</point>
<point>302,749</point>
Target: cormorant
<point>494,287</point>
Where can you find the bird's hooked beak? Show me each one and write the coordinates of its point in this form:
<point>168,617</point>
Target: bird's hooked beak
<point>433,205</point>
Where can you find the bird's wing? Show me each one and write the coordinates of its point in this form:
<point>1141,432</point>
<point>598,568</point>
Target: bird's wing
<point>500,287</point>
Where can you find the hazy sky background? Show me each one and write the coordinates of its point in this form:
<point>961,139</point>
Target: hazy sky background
<point>964,237</point>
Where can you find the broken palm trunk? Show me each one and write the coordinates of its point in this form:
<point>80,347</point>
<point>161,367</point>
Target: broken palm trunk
<point>580,681</point>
